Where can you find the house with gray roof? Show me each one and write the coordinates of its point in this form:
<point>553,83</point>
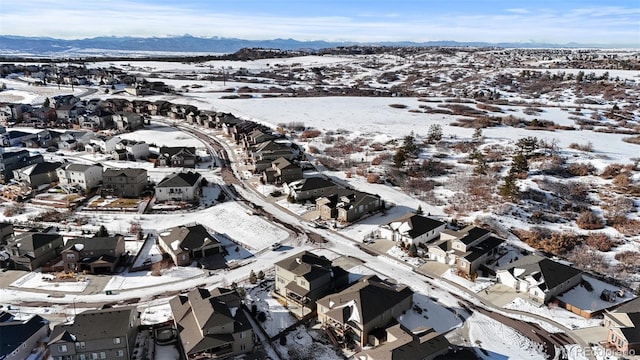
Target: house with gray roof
<point>183,186</point>
<point>44,173</point>
<point>187,243</point>
<point>412,228</point>
<point>83,177</point>
<point>95,255</point>
<point>370,304</point>
<point>6,231</point>
<point>19,338</point>
<point>309,188</point>
<point>539,277</point>
<point>399,343</point>
<point>97,334</point>
<point>623,327</point>
<point>11,160</point>
<point>177,156</point>
<point>347,205</point>
<point>212,324</point>
<point>305,277</point>
<point>31,250</point>
<point>128,182</point>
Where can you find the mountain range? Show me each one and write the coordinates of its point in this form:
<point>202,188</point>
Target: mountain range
<point>50,47</point>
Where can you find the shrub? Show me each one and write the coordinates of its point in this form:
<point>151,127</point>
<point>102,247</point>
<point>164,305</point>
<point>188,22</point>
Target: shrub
<point>308,134</point>
<point>398,106</point>
<point>581,169</point>
<point>373,178</point>
<point>599,241</point>
<point>262,317</point>
<point>588,147</point>
<point>588,220</point>
<point>252,277</point>
<point>611,171</point>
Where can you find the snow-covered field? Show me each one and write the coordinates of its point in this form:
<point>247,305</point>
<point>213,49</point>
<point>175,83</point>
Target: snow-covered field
<point>38,281</point>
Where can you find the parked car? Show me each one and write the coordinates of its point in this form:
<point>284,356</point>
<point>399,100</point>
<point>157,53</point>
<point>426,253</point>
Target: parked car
<point>276,246</point>
<point>275,193</point>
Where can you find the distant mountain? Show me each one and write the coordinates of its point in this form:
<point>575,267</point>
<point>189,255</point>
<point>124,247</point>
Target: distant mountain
<point>50,47</point>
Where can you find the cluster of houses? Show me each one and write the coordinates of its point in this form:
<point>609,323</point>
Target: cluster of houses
<point>47,251</point>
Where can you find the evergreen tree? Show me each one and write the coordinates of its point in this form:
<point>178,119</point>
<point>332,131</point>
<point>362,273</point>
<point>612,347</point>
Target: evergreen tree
<point>252,277</point>
<point>260,275</point>
<point>509,189</point>
<point>399,157</point>
<point>477,137</point>
<point>46,103</point>
<point>419,210</point>
<point>435,133</point>
<point>102,232</point>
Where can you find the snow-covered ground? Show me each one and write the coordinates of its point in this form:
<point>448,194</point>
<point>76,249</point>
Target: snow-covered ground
<point>35,280</point>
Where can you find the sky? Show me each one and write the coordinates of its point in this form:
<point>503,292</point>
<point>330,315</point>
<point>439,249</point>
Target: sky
<point>557,21</point>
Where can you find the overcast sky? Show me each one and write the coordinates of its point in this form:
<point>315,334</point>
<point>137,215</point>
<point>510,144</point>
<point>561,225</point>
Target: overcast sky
<point>557,21</point>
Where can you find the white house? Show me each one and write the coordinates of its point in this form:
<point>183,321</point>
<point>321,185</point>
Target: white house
<point>539,277</point>
<point>79,175</point>
<point>179,187</point>
<point>104,144</point>
<point>412,229</point>
<point>138,149</point>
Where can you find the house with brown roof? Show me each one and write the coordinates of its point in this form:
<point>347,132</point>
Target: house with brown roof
<point>370,304</point>
<point>212,324</point>
<point>400,343</point>
<point>281,171</point>
<point>539,277</point>
<point>412,228</point>
<point>623,327</point>
<point>95,255</point>
<point>346,205</point>
<point>466,249</point>
<point>187,243</point>
<point>97,334</point>
<point>303,278</point>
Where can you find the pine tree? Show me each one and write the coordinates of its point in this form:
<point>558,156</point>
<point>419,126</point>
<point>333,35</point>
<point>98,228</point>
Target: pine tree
<point>419,210</point>
<point>260,275</point>
<point>46,103</point>
<point>510,188</point>
<point>102,232</point>
<point>399,157</point>
<point>435,133</point>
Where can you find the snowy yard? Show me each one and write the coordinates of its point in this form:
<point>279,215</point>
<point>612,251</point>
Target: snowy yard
<point>590,301</point>
<point>39,281</point>
<point>429,314</point>
<point>143,279</point>
<point>278,317</point>
<point>554,313</point>
<point>475,286</point>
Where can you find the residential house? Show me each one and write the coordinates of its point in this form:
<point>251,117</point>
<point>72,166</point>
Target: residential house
<point>466,249</point>
<point>400,343</point>
<point>16,138</point>
<point>309,188</point>
<point>60,100</point>
<point>84,177</point>
<point>539,277</point>
<point>186,243</point>
<point>257,136</point>
<point>271,150</point>
<point>20,338</point>
<point>95,255</point>
<point>281,171</point>
<point>353,206</point>
<point>368,305</point>
<point>129,182</point>
<point>137,149</point>
<point>212,324</point>
<point>179,187</point>
<point>97,334</point>
<point>103,144</point>
<point>6,231</point>
<point>128,121</point>
<point>30,250</point>
<point>623,327</point>
<point>178,156</point>
<point>99,120</point>
<point>412,228</point>
<point>303,278</point>
<point>35,175</point>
